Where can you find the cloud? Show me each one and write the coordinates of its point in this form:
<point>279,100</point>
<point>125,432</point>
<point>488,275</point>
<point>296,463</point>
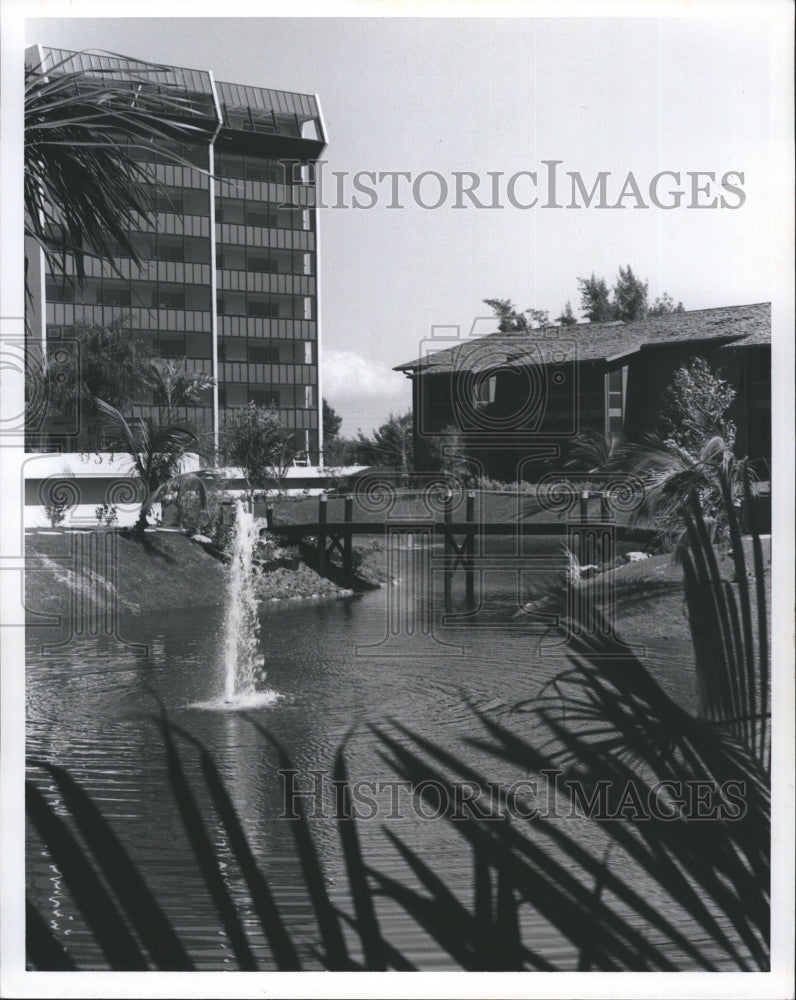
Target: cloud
<point>363,392</point>
<point>349,377</point>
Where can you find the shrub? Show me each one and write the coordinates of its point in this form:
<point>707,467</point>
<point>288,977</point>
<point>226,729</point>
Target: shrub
<point>56,513</point>
<point>106,514</point>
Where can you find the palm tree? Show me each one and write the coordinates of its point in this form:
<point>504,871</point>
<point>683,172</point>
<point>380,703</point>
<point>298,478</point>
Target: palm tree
<point>158,446</point>
<point>671,473</point>
<point>84,187</point>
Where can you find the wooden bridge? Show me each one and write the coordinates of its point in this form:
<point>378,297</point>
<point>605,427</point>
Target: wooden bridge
<point>592,533</point>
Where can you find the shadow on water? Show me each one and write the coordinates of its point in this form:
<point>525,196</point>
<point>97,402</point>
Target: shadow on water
<point>91,705</point>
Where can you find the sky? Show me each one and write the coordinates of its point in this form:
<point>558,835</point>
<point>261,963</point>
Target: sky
<point>620,95</point>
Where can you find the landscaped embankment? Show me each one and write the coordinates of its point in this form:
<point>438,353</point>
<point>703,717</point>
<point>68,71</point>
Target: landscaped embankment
<point>163,570</point>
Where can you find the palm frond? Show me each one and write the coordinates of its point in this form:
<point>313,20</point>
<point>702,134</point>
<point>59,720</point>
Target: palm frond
<point>85,191</point>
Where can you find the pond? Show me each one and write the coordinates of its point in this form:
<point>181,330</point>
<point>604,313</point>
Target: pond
<point>335,666</point>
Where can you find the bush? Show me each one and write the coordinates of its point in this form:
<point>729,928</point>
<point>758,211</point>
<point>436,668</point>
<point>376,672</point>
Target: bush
<point>106,514</point>
<point>198,506</point>
<point>56,513</point>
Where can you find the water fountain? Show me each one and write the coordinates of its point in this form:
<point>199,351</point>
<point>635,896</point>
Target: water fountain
<point>243,661</point>
<point>244,665</point>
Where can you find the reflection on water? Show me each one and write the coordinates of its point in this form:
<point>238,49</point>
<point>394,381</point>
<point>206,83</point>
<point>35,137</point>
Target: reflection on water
<point>92,705</point>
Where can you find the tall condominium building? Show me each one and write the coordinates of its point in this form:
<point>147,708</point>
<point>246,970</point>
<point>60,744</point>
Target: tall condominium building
<point>228,271</point>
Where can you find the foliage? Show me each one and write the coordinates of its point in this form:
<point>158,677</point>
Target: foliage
<point>156,451</point>
<point>106,514</point>
<point>567,317</point>
<point>447,450</point>
<point>84,188</point>
<point>630,295</point>
<point>340,452</point>
<point>511,320</point>
<point>695,405</point>
<point>257,442</point>
<point>595,300</point>
<point>332,421</point>
<point>198,510</point>
<point>105,362</point>
<point>499,486</point>
<point>665,306</point>
<point>671,888</point>
<point>591,451</point>
<point>627,302</point>
<point>671,475</point>
<point>56,513</point>
<point>173,385</point>
<point>392,444</point>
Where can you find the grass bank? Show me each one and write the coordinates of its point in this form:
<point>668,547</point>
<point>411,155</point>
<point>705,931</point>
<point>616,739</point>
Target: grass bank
<point>163,570</point>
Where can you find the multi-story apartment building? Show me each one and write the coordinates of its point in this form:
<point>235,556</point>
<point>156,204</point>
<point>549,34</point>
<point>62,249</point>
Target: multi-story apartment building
<point>228,271</point>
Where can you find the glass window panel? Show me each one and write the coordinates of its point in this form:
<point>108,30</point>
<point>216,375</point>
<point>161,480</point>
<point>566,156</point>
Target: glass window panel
<point>197,297</point>
<point>198,345</point>
<point>231,211</point>
<point>264,396</point>
<point>263,307</point>
<point>232,257</point>
<point>195,202</point>
<point>171,346</point>
<point>263,353</point>
<point>232,303</point>
<point>232,348</point>
<point>235,395</point>
<point>171,297</point>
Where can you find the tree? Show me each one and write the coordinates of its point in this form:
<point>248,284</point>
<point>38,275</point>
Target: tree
<point>158,446</point>
<point>665,306</point>
<point>595,300</point>
<point>567,317</point>
<point>101,362</point>
<point>630,295</point>
<point>695,404</point>
<point>448,449</point>
<point>258,443</point>
<point>332,421</point>
<point>391,444</point>
<point>512,321</point>
<point>693,453</point>
<point>627,301</point>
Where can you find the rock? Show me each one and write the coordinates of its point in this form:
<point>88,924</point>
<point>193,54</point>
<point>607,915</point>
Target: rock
<point>637,556</point>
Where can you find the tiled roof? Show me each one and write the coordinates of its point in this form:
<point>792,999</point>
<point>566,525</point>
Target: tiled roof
<point>745,325</point>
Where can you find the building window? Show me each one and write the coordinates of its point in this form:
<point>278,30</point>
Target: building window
<point>231,211</point>
<point>484,391</point>
<point>615,382</point>
<point>264,396</point>
<point>261,216</point>
<point>171,347</point>
<point>263,354</point>
<point>233,258</point>
<point>58,291</point>
<point>171,298</point>
<point>232,349</point>
<point>262,308</point>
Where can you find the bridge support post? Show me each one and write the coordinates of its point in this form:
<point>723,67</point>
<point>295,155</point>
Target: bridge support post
<point>321,534</point>
<point>469,566</point>
<point>348,553</point>
<point>448,551</point>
